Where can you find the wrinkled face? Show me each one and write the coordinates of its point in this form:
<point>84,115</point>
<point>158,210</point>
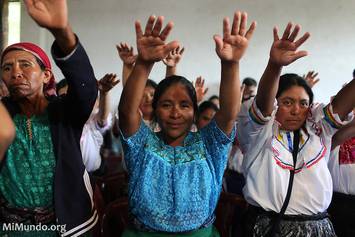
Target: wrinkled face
<point>249,92</point>
<point>175,114</point>
<point>205,117</point>
<point>22,74</point>
<point>293,108</point>
<point>146,103</point>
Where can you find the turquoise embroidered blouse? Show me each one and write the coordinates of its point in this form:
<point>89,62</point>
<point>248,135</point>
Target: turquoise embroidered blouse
<point>175,189</point>
<point>27,177</point>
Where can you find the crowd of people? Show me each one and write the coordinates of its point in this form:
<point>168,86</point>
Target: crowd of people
<point>291,158</point>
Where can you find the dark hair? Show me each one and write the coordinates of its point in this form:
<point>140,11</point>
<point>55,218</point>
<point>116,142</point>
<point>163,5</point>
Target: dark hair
<point>248,81</point>
<point>354,73</point>
<point>172,80</point>
<point>151,83</point>
<point>213,97</point>
<point>206,105</point>
<point>61,84</point>
<point>291,79</point>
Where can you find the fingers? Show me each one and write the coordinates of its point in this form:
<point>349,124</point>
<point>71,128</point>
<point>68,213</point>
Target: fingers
<point>294,33</point>
<point>205,91</point>
<point>139,32</point>
<point>226,28</point>
<point>170,46</point>
<point>250,32</point>
<point>219,42</point>
<point>287,31</point>
<point>149,25</point>
<point>276,34</point>
<point>299,54</point>
<point>243,24</point>
<point>301,40</point>
<point>157,27</point>
<point>235,26</point>
<point>166,31</point>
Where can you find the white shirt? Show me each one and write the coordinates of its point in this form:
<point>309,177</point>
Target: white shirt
<point>268,158</point>
<point>343,173</point>
<point>92,140</point>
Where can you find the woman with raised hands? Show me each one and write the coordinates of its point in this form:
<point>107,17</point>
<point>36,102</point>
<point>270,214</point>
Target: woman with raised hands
<point>286,142</point>
<point>175,174</point>
<point>43,181</point>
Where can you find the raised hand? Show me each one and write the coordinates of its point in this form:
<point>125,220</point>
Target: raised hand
<point>284,51</point>
<point>107,82</point>
<point>311,78</point>
<point>235,41</point>
<point>50,14</point>
<point>151,44</point>
<point>174,57</point>
<point>200,89</point>
<point>126,53</point>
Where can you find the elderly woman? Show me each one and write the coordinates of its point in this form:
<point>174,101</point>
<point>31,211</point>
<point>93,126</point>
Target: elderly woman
<point>42,178</point>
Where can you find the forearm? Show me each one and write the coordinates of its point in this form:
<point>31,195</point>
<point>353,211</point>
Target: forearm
<point>229,95</point>
<point>343,134</point>
<point>344,101</point>
<point>170,71</point>
<point>7,130</point>
<point>104,110</point>
<point>267,90</point>
<point>65,39</point>
<point>126,71</point>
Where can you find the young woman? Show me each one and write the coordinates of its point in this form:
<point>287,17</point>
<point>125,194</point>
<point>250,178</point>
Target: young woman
<point>281,176</point>
<point>175,174</point>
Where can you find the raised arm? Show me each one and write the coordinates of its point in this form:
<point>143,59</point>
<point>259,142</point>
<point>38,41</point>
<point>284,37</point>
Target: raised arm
<point>172,60</point>
<point>7,130</point>
<point>344,101</point>
<point>151,48</point>
<point>200,89</point>
<point>311,78</point>
<point>283,52</point>
<point>230,50</point>
<point>53,15</point>
<point>105,85</point>
<point>343,134</point>
<point>128,58</point>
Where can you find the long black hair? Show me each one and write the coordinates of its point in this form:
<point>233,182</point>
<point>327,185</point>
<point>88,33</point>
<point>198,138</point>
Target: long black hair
<point>289,80</point>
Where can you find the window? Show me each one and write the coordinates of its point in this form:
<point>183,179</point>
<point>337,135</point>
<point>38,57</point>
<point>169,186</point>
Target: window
<point>14,20</point>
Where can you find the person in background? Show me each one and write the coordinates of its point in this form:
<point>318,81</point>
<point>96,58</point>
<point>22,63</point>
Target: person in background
<point>250,86</point>
<point>98,123</point>
<point>206,112</point>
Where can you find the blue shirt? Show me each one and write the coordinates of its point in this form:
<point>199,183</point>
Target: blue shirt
<point>175,189</point>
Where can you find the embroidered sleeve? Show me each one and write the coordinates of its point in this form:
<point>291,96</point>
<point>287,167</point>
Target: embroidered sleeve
<point>252,124</point>
<point>325,121</point>
<point>133,146</point>
<point>217,144</point>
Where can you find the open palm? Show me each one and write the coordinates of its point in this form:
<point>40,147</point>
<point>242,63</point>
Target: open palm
<point>151,45</point>
<point>50,14</point>
<point>235,41</point>
<point>284,51</point>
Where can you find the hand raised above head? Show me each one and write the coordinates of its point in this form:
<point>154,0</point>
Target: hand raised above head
<point>235,41</point>
<point>126,53</point>
<point>311,78</point>
<point>284,51</point>
<point>174,57</point>
<point>200,88</point>
<point>50,14</point>
<point>106,83</point>
<point>151,44</point>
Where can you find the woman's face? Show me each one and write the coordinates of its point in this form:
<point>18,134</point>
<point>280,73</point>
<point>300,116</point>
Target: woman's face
<point>146,103</point>
<point>22,74</point>
<point>175,114</point>
<point>293,106</point>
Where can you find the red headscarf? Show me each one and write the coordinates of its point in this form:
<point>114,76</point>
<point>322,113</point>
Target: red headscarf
<point>49,88</point>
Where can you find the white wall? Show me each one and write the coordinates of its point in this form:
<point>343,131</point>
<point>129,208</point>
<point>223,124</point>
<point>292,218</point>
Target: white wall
<point>102,24</point>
